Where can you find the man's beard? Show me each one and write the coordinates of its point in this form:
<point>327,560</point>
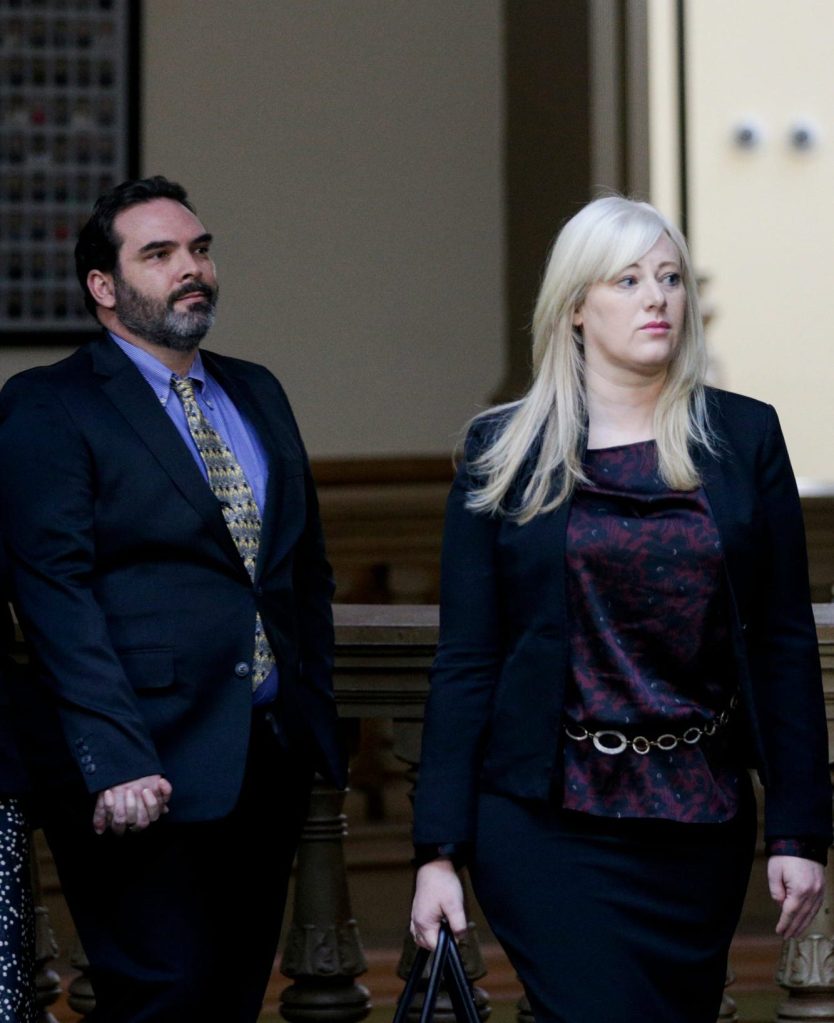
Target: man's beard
<point>158,322</point>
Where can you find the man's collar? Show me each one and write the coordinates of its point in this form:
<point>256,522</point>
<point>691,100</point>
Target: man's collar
<point>156,372</point>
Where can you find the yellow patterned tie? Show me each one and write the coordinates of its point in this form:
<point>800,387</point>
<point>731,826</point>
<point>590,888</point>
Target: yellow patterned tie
<point>232,490</point>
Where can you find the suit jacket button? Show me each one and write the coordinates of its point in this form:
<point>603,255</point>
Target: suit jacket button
<point>90,768</point>
<point>86,759</point>
<point>241,669</point>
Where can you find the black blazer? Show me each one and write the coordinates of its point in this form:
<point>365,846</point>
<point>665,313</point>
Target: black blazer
<point>130,589</point>
<point>495,708</point>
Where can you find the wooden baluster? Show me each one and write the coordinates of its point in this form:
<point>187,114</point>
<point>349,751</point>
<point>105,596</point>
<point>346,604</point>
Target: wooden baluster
<point>806,970</point>
<point>80,995</point>
<point>47,981</point>
<point>806,967</point>
<point>323,953</point>
<point>728,1013</point>
<point>524,1013</point>
<point>407,748</point>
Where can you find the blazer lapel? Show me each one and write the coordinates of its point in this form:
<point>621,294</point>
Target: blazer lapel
<point>124,385</point>
<point>729,496</point>
<point>714,484</point>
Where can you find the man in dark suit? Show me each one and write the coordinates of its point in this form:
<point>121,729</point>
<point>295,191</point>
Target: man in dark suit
<point>170,577</point>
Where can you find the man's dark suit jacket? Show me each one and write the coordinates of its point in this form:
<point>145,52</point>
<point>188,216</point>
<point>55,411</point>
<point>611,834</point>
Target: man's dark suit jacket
<point>131,591</point>
<point>498,682</point>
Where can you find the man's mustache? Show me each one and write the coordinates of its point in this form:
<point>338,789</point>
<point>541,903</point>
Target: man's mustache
<point>193,288</point>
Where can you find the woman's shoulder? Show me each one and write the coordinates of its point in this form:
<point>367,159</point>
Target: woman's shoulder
<point>485,428</point>
<point>729,403</point>
<point>727,408</point>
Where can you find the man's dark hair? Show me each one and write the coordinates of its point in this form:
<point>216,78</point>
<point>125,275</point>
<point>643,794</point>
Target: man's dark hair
<point>97,247</point>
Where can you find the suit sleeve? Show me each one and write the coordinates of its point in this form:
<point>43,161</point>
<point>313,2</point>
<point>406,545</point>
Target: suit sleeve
<point>48,520</point>
<point>789,700</point>
<point>313,585</point>
<point>312,588</point>
<point>464,672</point>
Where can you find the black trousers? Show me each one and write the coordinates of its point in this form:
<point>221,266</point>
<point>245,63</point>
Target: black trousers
<point>182,921</point>
<point>613,919</point>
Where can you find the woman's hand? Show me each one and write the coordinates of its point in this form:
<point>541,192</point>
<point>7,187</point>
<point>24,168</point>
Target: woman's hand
<point>797,885</point>
<point>438,893</point>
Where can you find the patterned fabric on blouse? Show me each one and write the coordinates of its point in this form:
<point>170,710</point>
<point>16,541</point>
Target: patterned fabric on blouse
<point>650,644</point>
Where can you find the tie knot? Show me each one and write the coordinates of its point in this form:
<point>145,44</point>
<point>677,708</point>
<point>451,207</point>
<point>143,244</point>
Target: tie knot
<point>184,386</point>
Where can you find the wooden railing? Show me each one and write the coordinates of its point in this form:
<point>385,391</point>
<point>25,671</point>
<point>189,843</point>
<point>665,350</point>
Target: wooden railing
<point>382,659</point>
<point>383,519</point>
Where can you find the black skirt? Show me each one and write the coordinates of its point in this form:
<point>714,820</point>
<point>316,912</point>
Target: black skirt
<point>613,919</point>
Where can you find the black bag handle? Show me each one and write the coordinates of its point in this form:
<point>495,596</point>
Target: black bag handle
<point>457,983</point>
<point>446,965</point>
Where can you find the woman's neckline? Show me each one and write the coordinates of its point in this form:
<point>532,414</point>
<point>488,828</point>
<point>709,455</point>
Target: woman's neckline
<point>620,447</point>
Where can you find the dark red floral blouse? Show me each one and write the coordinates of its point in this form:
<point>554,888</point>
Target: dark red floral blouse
<point>650,650</point>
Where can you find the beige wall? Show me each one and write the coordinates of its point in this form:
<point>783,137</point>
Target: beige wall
<point>664,138</point>
<point>347,155</point>
<point>762,220</point>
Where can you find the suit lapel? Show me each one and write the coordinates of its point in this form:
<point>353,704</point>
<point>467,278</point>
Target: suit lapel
<point>124,385</point>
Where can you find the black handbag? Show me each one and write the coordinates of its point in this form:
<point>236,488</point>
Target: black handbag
<point>446,965</point>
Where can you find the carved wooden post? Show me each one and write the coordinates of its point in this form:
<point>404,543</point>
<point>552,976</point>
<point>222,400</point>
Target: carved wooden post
<point>524,1013</point>
<point>323,954</point>
<point>80,996</point>
<point>806,971</point>
<point>806,968</point>
<point>728,1013</point>
<point>47,981</point>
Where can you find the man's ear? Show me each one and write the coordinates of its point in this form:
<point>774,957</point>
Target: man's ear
<point>101,288</point>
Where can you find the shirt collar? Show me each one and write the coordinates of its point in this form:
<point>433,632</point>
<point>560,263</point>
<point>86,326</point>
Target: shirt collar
<point>157,374</point>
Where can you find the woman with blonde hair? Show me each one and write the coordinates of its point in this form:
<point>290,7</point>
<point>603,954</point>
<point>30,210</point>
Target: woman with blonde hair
<point>625,627</point>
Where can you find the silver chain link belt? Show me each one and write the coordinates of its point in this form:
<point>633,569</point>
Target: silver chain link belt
<point>608,740</point>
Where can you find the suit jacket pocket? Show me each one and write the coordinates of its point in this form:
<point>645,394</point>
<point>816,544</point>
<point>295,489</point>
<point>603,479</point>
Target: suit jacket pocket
<point>148,668</point>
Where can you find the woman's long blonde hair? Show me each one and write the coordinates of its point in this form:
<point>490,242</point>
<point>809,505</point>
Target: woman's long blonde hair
<point>548,426</point>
